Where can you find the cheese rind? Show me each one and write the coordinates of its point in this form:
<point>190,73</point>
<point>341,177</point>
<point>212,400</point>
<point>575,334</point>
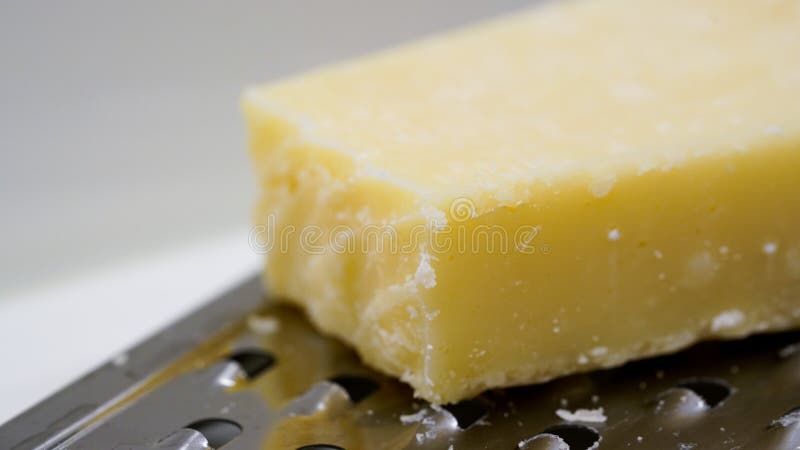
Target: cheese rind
<point>564,189</point>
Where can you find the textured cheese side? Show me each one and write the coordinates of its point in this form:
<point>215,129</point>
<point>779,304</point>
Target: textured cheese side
<point>566,188</point>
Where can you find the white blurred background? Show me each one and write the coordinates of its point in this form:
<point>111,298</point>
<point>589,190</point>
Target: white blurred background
<point>125,189</point>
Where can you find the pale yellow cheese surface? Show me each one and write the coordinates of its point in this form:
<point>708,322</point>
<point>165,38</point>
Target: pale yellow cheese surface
<point>647,153</point>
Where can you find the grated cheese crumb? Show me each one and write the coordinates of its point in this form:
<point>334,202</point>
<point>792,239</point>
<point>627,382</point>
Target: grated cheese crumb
<point>582,415</point>
<point>406,419</point>
<point>263,324</point>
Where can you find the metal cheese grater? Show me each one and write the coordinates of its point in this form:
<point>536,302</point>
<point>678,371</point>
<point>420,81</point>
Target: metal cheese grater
<point>242,373</point>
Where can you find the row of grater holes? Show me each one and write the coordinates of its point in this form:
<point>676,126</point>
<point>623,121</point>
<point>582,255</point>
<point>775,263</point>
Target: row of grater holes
<point>219,432</point>
<point>254,362</point>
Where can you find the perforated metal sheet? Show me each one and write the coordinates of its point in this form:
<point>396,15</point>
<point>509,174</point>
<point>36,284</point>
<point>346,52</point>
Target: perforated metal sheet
<point>242,373</point>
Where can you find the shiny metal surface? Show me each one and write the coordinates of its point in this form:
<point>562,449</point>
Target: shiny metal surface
<point>242,373</point>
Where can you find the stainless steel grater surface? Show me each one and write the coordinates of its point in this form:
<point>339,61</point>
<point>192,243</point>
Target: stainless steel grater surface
<point>242,373</point>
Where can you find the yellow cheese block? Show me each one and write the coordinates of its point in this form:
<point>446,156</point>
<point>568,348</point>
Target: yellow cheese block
<point>566,188</point>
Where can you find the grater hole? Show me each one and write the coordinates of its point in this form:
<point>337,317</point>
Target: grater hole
<point>217,432</point>
<point>357,387</point>
<point>578,437</point>
<point>320,447</point>
<point>253,361</point>
<point>468,412</point>
<point>713,391</point>
<point>543,442</point>
<point>789,418</point>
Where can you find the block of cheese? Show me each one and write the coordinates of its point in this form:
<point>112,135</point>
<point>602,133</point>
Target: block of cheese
<point>562,189</point>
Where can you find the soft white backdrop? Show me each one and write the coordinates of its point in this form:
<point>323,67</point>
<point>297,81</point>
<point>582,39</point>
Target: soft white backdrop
<point>125,189</point>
